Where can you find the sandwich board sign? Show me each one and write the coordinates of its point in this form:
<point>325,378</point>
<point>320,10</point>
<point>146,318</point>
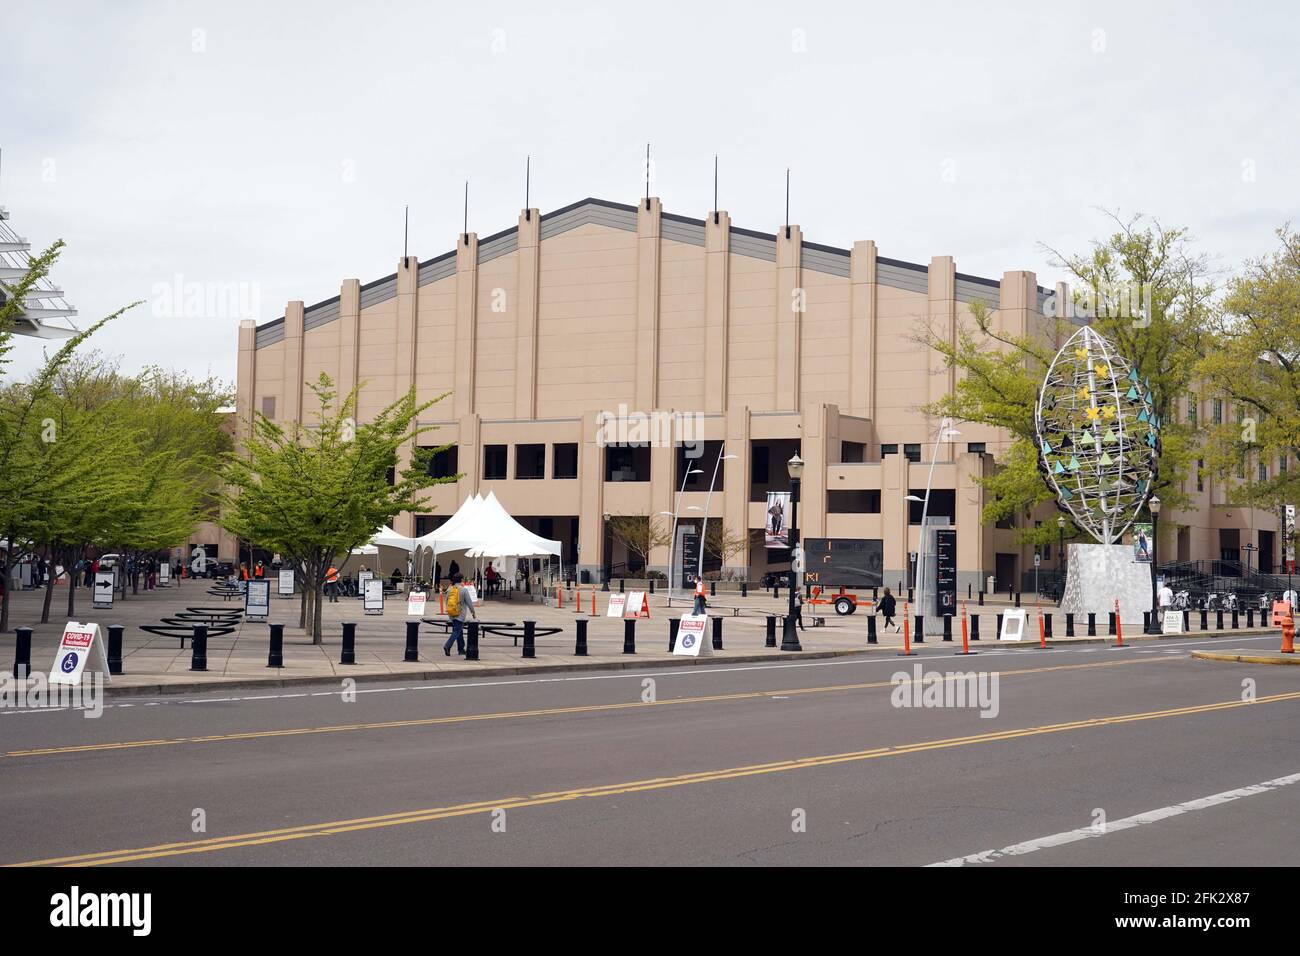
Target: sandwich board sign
<point>103,596</point>
<point>362,578</point>
<point>415,602</point>
<point>373,598</point>
<point>257,600</point>
<point>1172,622</point>
<point>692,637</point>
<point>74,651</point>
<point>165,574</point>
<point>617,605</point>
<point>284,586</point>
<point>638,605</point>
<point>1013,625</point>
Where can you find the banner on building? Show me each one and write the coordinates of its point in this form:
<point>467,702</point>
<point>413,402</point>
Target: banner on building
<point>776,533</point>
<point>1288,536</point>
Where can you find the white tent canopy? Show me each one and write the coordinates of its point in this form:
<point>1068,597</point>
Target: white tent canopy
<point>386,537</point>
<point>481,527</point>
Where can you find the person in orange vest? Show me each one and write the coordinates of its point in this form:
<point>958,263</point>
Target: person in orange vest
<point>699,596</point>
<point>259,570</point>
<point>332,584</point>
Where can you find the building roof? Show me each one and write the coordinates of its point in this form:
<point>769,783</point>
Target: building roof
<point>745,242</point>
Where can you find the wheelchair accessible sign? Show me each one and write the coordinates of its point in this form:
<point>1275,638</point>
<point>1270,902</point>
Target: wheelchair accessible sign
<point>74,650</point>
<point>692,640</point>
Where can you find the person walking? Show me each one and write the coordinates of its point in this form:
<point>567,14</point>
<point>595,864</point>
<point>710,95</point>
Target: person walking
<point>437,575</point>
<point>798,609</point>
<point>887,609</point>
<point>460,608</point>
<point>699,596</point>
<point>332,584</point>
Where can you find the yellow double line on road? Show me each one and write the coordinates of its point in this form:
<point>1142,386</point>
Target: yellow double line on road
<point>508,715</point>
<point>286,834</point>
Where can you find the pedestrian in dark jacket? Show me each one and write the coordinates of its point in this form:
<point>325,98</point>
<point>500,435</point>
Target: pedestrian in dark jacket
<point>888,609</point>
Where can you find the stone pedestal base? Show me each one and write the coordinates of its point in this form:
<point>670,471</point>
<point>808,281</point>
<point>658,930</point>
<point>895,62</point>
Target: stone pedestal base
<point>1098,574</point>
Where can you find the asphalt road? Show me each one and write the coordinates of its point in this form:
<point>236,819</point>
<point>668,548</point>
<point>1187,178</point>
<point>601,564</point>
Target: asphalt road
<point>769,764</point>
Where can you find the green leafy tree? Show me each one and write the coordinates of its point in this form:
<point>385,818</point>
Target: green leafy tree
<point>315,492</point>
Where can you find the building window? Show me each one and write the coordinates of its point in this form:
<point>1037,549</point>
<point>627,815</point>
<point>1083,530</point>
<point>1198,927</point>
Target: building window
<point>426,523</point>
<point>627,463</point>
<point>1217,411</point>
<point>852,452</point>
<point>865,502</point>
<point>1263,471</point>
<point>268,406</point>
<point>704,458</point>
<point>564,460</point>
<point>943,504</point>
<point>759,464</point>
<point>977,448</point>
<point>1281,462</point>
<point>444,463</point>
<point>1191,410</point>
<point>494,462</point>
<point>1200,474</point>
<point>912,452</point>
<point>886,450</point>
<point>391,475</point>
<point>530,461</point>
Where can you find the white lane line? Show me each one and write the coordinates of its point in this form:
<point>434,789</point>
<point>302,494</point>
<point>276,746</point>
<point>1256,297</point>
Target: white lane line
<point>1127,823</point>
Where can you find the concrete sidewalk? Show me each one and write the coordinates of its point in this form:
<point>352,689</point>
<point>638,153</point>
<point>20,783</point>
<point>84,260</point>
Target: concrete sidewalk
<point>154,664</point>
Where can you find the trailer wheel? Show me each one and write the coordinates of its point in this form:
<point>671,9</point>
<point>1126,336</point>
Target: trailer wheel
<point>845,606</point>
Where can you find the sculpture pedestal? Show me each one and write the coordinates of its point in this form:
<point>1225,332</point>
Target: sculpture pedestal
<point>1097,575</point>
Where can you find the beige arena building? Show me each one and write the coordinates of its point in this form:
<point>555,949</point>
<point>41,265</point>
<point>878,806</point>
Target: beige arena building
<point>766,343</point>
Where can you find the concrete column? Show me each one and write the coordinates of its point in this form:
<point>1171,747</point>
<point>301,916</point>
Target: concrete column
<point>293,386</point>
<point>648,221</point>
<point>246,379</point>
<point>1017,302</point>
<point>969,523</point>
<point>465,343</point>
<point>349,334</point>
<point>737,478</point>
<point>814,450</point>
<point>526,315</point>
<point>591,477</point>
<point>862,330</point>
<point>408,321</point>
<point>942,282</point>
<point>662,495</point>
<point>893,515</point>
<point>469,456</point>
<point>789,318</point>
<point>717,299</point>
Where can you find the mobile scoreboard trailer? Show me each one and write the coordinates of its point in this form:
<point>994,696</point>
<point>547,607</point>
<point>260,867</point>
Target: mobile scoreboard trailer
<point>844,563</point>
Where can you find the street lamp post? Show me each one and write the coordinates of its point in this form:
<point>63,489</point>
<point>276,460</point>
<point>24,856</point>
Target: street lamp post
<point>704,527</point>
<point>1060,555</point>
<point>1153,505</point>
<point>946,431</point>
<point>789,638</point>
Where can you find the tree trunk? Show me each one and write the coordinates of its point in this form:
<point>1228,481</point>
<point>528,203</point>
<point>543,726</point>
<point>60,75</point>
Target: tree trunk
<point>8,580</point>
<point>316,616</point>
<point>72,584</point>
<point>302,612</point>
<point>49,590</point>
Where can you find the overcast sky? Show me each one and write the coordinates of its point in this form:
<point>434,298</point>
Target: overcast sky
<point>273,144</point>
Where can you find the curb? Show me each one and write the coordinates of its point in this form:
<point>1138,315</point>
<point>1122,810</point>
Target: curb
<point>1243,658</point>
<point>258,683</point>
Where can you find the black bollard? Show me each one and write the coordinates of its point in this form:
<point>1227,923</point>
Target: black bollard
<point>1205,619</point>
<point>1047,626</point>
<point>968,590</point>
<point>199,649</point>
<point>1235,622</point>
<point>974,627</point>
<point>621,583</point>
<point>918,636</point>
<point>674,624</point>
<point>471,641</point>
<point>776,591</point>
<point>23,653</point>
<point>770,639</point>
<point>1218,619</point>
<point>713,589</point>
<point>1187,620</point>
<point>348,655</point>
<point>1017,599</point>
<point>1069,624</point>
<point>629,636</point>
<point>871,629</point>
<point>1146,621</point>
<point>947,627</point>
<point>910,598</point>
<point>1250,617</point>
<point>412,642</point>
<point>530,638</point>
<point>275,655</point>
<point>998,631</point>
<point>580,641</point>
<point>1092,624</point>
<point>115,648</point>
<point>981,597</point>
<point>604,585</point>
<point>652,585</point>
<point>1110,625</point>
<point>744,589</point>
<point>717,633</point>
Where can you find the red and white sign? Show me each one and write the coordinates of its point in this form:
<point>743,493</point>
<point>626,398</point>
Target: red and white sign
<point>74,650</point>
<point>617,605</point>
<point>415,604</point>
<point>638,605</point>
<point>692,637</point>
